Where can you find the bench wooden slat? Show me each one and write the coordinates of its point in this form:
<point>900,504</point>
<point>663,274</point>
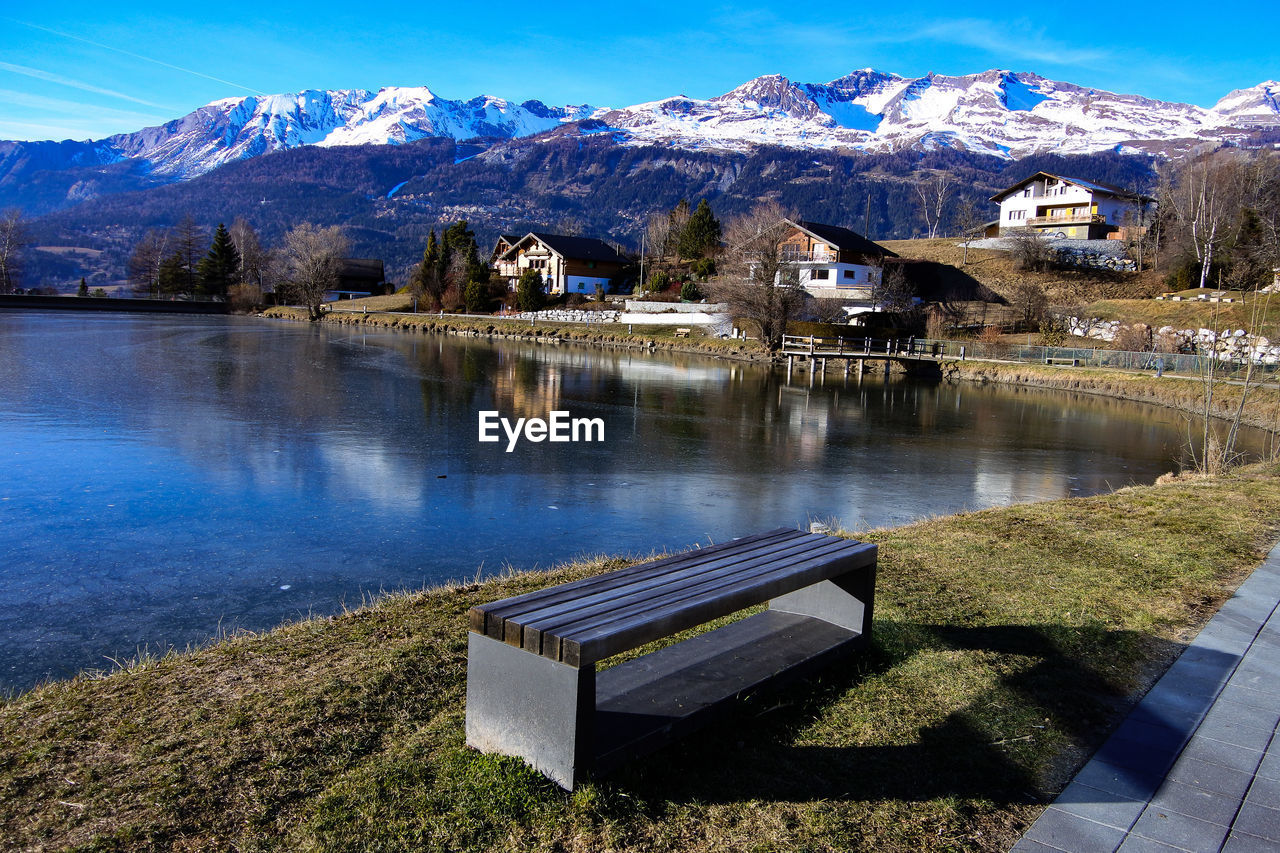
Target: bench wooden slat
<point>707,565</point>
<point>541,630</point>
<point>601,642</point>
<point>490,619</point>
<point>645,594</point>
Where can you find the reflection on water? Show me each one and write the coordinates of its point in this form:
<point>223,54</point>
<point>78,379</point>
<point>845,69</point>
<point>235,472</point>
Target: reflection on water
<point>167,478</point>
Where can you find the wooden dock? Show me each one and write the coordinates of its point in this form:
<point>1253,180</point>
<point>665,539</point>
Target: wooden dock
<point>858,351</point>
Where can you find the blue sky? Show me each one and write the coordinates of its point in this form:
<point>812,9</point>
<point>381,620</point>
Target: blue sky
<point>73,70</point>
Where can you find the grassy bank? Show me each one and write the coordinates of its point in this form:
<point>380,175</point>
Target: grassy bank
<point>1006,643</point>
<point>1253,311</point>
<point>1262,408</point>
<point>612,334</point>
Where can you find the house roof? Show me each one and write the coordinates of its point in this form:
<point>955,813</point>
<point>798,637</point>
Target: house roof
<point>370,269</point>
<point>841,238</point>
<point>1092,186</point>
<point>578,248</point>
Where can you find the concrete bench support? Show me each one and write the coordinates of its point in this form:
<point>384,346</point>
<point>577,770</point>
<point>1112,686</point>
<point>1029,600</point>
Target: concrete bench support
<point>532,686</point>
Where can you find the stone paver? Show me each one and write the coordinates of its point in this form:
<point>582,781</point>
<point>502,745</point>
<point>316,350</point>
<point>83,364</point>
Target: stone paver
<point>1195,768</point>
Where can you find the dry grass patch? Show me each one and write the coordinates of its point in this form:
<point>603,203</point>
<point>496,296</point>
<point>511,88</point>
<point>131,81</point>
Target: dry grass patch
<point>1007,642</point>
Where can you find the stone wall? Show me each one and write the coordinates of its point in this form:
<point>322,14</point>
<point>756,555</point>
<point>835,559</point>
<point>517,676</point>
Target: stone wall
<point>1227,345</point>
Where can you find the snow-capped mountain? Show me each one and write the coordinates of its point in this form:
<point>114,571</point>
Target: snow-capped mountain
<point>996,112</point>
<point>236,128</point>
<point>1001,113</point>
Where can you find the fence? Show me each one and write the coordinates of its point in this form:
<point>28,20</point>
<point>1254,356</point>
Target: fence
<point>1180,364</point>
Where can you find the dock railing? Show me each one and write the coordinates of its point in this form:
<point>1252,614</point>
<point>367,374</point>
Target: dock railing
<point>1180,364</point>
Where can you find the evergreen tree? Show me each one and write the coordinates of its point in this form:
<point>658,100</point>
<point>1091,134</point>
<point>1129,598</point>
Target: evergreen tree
<point>459,236</point>
<point>219,269</point>
<point>428,279</point>
<point>84,287</point>
<point>476,297</point>
<point>701,234</point>
<point>172,275</point>
<point>531,293</point>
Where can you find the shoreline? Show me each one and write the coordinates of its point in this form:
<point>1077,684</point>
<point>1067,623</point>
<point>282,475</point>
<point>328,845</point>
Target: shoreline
<point>1184,394</point>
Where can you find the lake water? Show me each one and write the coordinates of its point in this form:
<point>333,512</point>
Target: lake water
<point>163,479</point>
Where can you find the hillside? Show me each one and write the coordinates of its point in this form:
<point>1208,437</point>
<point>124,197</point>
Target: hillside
<point>997,271</point>
<point>389,197</point>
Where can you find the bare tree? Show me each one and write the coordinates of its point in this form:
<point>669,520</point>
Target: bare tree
<point>971,222</point>
<point>256,262</point>
<point>191,243</point>
<point>933,192</point>
<point>893,292</point>
<point>756,283</point>
<point>147,257</point>
<point>658,240</point>
<point>313,258</point>
<point>1031,299</point>
<point>13,235</point>
<point>1030,252</point>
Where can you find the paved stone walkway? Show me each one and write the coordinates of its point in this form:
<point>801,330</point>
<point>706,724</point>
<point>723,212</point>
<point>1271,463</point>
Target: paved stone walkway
<point>1196,766</point>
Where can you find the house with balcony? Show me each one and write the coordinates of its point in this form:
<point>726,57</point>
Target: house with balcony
<point>568,264</point>
<point>833,262</point>
<point>1059,206</point>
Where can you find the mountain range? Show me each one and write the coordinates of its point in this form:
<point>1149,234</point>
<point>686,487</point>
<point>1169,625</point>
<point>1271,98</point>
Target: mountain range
<point>999,113</point>
<point>391,165</point>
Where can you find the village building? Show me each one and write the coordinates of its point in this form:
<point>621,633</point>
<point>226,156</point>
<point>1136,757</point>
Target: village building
<point>1058,206</point>
<point>357,278</point>
<point>568,264</point>
<point>833,262</point>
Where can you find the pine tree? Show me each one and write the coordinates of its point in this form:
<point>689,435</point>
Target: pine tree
<point>476,297</point>
<point>701,234</point>
<point>219,269</point>
<point>172,274</point>
<point>531,293</point>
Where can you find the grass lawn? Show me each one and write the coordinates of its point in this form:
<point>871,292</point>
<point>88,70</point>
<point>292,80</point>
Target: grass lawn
<point>1259,313</point>
<point>1006,642</point>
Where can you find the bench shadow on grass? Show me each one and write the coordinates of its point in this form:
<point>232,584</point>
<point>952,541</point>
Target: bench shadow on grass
<point>751,755</point>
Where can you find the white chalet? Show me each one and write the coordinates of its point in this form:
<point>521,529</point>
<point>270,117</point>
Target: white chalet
<point>833,261</point>
<point>568,264</point>
<point>1070,207</point>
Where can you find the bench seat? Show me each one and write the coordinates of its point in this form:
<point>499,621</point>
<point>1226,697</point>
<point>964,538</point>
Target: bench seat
<point>532,685</point>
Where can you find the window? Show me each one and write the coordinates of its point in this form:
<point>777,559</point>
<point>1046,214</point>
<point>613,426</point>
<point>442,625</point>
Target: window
<point>819,274</point>
<point>1017,214</point>
<point>1026,193</point>
<point>849,274</point>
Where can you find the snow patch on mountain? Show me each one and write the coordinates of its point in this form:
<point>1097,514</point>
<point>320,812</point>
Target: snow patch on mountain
<point>237,128</point>
<point>999,112</point>
<point>1003,113</point>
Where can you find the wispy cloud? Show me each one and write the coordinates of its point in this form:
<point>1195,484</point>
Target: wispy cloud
<point>1011,39</point>
<point>139,56</point>
<point>78,109</point>
<point>50,77</point>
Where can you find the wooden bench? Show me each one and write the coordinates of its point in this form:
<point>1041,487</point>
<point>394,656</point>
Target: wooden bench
<point>682,333</point>
<point>1071,362</point>
<point>532,686</point>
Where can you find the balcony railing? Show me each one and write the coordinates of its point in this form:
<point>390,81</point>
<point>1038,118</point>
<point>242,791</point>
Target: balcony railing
<point>798,256</point>
<point>1068,219</point>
